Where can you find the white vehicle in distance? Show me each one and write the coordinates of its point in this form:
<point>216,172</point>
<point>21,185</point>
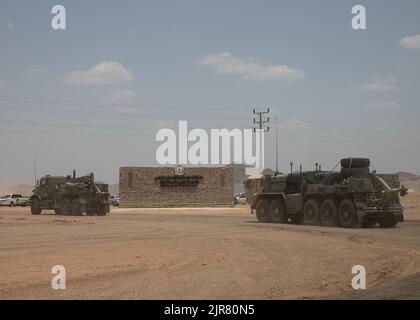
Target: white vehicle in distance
<point>114,200</point>
<point>239,199</point>
<point>14,199</point>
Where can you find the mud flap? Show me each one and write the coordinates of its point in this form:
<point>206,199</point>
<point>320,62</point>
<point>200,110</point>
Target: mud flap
<point>399,217</point>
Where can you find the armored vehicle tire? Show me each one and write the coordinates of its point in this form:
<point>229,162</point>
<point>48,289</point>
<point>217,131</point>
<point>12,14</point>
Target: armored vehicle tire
<point>262,210</point>
<point>65,207</point>
<point>369,224</point>
<point>311,212</point>
<point>355,163</point>
<point>328,213</point>
<point>12,204</point>
<point>76,207</point>
<point>347,216</point>
<point>388,221</point>
<point>102,210</point>
<point>296,218</point>
<point>278,212</point>
<point>35,207</point>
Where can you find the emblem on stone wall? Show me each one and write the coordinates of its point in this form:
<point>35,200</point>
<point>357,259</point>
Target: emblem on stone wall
<point>179,170</point>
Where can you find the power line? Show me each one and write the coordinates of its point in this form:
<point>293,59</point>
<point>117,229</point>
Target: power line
<point>314,128</point>
<point>94,104</point>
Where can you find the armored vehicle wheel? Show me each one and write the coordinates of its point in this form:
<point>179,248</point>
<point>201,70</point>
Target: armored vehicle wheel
<point>35,207</point>
<point>369,224</point>
<point>355,163</point>
<point>12,204</point>
<point>65,207</point>
<point>389,221</point>
<point>347,217</point>
<point>296,218</point>
<point>76,207</point>
<point>311,212</point>
<point>278,212</point>
<point>262,210</point>
<point>328,213</point>
<point>102,210</point>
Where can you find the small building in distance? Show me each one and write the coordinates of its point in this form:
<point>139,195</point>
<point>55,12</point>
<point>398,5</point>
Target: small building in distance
<point>160,187</point>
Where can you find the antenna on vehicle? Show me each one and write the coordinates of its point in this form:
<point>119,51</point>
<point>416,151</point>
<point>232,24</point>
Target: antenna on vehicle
<point>301,178</point>
<point>74,174</point>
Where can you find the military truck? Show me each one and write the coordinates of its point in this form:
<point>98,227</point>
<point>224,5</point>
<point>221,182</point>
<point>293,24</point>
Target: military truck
<point>352,197</point>
<point>68,195</point>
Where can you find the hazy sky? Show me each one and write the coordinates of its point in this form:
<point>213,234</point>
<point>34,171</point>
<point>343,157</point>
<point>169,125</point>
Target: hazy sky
<point>93,96</point>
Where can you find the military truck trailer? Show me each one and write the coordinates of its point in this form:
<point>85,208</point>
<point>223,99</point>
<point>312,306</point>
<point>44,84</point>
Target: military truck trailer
<point>352,197</point>
<point>68,195</point>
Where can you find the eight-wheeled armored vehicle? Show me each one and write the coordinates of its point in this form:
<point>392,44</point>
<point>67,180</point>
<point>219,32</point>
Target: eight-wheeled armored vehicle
<point>354,196</point>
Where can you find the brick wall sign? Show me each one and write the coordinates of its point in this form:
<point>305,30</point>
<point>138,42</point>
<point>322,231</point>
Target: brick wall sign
<point>152,187</point>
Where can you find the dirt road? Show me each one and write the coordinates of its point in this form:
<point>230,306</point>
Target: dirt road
<point>195,254</point>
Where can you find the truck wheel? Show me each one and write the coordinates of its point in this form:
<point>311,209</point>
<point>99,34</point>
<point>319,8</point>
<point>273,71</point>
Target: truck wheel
<point>296,218</point>
<point>311,212</point>
<point>278,212</point>
<point>369,224</point>
<point>347,217</point>
<point>65,207</point>
<point>76,208</point>
<point>328,213</point>
<point>389,221</point>
<point>262,210</point>
<point>102,210</point>
<point>12,204</point>
<point>35,207</point>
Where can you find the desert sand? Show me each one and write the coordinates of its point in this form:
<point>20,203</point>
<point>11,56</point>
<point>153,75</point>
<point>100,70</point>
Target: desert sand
<point>190,254</point>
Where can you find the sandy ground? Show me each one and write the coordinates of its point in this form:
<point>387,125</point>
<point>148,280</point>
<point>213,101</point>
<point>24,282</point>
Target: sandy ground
<point>411,203</point>
<point>193,254</point>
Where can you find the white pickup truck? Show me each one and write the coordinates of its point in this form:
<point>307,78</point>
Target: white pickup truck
<point>14,199</point>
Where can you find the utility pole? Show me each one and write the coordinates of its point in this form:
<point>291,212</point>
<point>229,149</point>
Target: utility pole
<point>277,151</point>
<point>35,168</point>
<point>261,122</point>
